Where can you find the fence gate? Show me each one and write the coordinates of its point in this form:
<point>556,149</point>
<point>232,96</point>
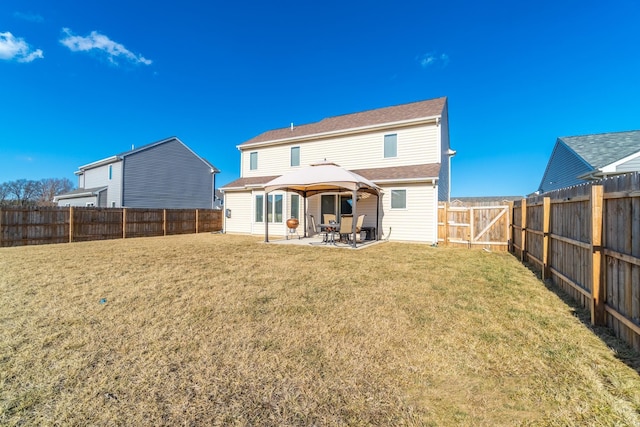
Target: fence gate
<point>474,226</point>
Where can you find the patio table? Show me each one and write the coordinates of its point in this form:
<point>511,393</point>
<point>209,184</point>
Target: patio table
<point>330,229</point>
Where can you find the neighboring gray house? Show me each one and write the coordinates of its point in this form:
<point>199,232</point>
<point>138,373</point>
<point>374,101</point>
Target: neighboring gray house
<point>578,159</point>
<point>163,174</point>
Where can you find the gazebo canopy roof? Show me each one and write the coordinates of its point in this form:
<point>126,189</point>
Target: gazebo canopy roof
<point>320,178</point>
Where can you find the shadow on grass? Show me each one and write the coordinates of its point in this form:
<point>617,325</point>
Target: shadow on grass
<point>622,350</point>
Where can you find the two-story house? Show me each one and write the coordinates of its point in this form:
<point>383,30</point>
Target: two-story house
<point>163,174</point>
<point>403,149</point>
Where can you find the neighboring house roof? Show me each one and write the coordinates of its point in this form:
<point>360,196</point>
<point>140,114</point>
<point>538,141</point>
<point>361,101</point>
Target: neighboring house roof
<point>603,149</point>
<point>80,192</point>
<point>377,175</point>
<point>414,111</point>
<point>577,159</point>
<point>124,154</point>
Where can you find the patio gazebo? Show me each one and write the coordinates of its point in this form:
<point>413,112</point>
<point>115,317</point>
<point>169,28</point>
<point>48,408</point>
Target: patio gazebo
<point>319,178</point>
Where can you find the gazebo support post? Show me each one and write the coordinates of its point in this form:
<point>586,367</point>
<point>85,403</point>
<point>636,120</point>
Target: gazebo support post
<point>305,214</point>
<point>266,217</point>
<point>355,215</point>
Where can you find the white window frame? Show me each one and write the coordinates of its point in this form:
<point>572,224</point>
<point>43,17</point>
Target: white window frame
<point>406,203</point>
<point>256,211</point>
<point>291,156</point>
<point>253,165</point>
<point>270,200</point>
<point>384,141</point>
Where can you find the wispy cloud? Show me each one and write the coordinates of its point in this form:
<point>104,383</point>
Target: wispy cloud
<point>16,49</point>
<point>31,17</point>
<point>103,45</point>
<point>431,59</point>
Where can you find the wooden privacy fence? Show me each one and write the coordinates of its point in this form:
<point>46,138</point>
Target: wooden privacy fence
<point>586,239</point>
<point>40,225</point>
<point>474,226</point>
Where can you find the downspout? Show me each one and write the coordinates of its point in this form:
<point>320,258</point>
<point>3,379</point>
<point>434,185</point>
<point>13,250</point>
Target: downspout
<point>213,189</point>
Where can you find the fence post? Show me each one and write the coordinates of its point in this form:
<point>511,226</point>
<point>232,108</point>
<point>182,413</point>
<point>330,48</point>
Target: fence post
<point>124,223</point>
<point>546,225</point>
<point>523,230</point>
<point>197,219</point>
<point>597,288</point>
<point>70,224</point>
<point>164,222</point>
<point>510,228</point>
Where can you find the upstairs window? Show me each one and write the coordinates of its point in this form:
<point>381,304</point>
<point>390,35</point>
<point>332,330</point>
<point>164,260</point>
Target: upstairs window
<point>398,199</point>
<point>110,172</point>
<point>253,161</point>
<point>295,156</point>
<point>391,145</point>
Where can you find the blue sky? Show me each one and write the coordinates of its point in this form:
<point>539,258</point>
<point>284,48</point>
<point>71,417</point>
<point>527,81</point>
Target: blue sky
<point>81,81</point>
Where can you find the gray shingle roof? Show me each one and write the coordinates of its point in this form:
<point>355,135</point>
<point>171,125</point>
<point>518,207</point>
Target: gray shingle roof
<point>397,113</point>
<point>602,149</point>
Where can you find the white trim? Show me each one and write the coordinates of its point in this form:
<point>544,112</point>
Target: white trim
<point>613,167</point>
<point>406,199</point>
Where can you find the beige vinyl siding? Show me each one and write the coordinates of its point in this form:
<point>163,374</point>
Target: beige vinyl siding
<point>418,221</point>
<point>241,206</point>
<point>416,145</point>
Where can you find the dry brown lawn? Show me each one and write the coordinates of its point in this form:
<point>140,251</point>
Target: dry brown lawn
<point>224,330</point>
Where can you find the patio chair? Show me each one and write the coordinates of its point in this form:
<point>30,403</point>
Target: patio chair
<point>327,218</point>
<point>346,227</point>
<point>359,224</point>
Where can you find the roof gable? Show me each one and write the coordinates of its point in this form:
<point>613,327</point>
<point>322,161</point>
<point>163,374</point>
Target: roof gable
<point>380,116</point>
<point>119,157</point>
<point>603,149</point>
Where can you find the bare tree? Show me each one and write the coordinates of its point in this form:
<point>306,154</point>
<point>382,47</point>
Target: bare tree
<point>51,187</point>
<point>4,193</point>
<point>23,192</point>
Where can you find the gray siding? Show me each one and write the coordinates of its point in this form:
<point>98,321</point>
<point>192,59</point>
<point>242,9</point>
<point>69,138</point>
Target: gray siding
<point>563,169</point>
<point>150,178</point>
<point>444,179</point>
<point>630,166</point>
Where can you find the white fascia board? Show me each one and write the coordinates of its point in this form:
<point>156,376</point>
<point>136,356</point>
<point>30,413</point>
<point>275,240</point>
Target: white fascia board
<point>343,132</point>
<point>613,167</point>
<point>102,162</point>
